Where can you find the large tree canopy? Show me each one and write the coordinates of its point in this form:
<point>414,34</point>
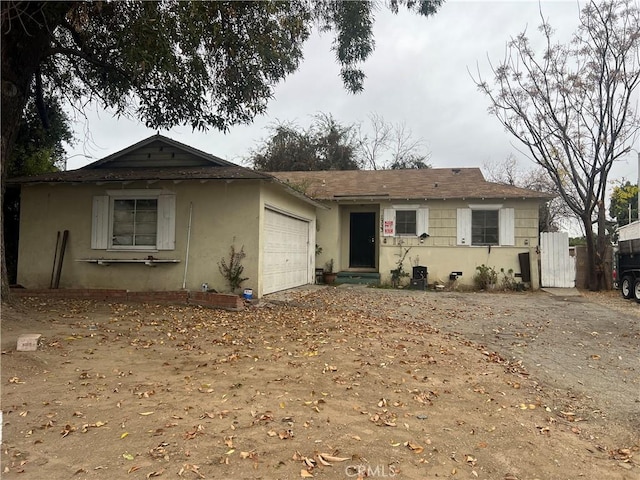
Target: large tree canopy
<point>571,104</point>
<point>328,145</point>
<point>325,145</point>
<point>203,64</point>
<point>40,148</point>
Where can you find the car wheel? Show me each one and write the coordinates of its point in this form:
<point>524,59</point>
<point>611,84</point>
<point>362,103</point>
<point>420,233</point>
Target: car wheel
<point>636,290</point>
<point>627,287</point>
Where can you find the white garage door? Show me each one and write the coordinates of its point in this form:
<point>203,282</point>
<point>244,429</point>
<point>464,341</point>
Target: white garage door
<point>286,252</point>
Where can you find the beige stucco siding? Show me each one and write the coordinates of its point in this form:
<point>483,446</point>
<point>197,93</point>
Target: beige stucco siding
<point>441,261</point>
<point>223,213</point>
<point>328,236</point>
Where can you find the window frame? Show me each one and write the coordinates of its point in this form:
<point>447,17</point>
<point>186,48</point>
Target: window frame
<point>485,212</point>
<point>506,225</point>
<point>103,219</point>
<point>112,221</point>
<point>413,233</point>
<point>389,222</point>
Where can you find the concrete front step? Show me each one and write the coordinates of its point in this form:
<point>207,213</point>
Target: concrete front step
<point>363,278</point>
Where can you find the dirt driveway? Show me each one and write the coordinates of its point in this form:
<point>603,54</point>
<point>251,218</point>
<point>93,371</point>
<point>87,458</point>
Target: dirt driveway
<point>332,383</point>
<point>582,348</point>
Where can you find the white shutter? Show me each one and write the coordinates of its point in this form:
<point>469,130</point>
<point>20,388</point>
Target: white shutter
<point>389,222</point>
<point>464,226</point>
<point>422,221</point>
<point>507,226</point>
<point>166,239</point>
<point>100,223</point>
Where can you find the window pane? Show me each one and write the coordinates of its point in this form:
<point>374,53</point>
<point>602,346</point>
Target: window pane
<point>406,222</point>
<point>135,222</point>
<point>484,227</point>
<point>127,205</point>
<point>123,216</point>
<point>122,240</point>
<point>120,228</point>
<point>147,204</point>
<point>149,240</point>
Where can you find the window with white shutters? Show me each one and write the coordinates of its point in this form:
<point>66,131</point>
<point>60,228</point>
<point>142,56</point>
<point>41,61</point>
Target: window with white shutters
<point>405,220</point>
<point>486,225</point>
<point>133,220</point>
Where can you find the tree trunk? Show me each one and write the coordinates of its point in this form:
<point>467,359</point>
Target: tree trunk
<point>26,37</point>
<point>591,253</point>
<point>601,248</point>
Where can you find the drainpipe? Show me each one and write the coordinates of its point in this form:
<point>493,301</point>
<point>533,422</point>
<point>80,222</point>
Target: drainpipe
<point>186,256</point>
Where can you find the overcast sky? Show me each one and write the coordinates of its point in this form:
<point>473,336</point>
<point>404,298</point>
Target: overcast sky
<point>418,75</point>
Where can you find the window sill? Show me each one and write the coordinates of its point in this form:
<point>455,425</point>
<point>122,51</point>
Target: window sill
<point>149,262</point>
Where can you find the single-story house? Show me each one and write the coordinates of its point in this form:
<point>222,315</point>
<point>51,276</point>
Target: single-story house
<point>449,220</point>
<point>162,204</point>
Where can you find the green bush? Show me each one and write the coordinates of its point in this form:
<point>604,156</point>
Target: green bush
<point>484,277</point>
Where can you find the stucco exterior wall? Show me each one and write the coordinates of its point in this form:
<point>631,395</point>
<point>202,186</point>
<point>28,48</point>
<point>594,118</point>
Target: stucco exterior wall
<point>440,252</point>
<point>222,214</point>
<point>328,236</point>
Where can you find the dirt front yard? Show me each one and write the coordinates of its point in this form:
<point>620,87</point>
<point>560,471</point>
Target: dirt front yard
<point>329,383</point>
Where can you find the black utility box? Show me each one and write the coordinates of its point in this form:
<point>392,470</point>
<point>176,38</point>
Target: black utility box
<point>419,272</point>
<point>418,284</point>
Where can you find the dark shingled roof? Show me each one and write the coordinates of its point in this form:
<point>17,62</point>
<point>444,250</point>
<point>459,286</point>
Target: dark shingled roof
<point>161,158</point>
<point>130,174</point>
<point>150,159</point>
<point>427,183</point>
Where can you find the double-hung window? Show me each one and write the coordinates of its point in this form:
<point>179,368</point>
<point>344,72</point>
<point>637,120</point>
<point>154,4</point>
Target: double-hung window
<point>486,225</point>
<point>405,220</point>
<point>133,220</point>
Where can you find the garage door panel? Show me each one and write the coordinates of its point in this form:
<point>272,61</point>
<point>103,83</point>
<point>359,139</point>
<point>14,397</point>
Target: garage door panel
<point>286,252</point>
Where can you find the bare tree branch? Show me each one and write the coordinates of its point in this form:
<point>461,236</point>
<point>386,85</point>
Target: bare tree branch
<point>571,104</point>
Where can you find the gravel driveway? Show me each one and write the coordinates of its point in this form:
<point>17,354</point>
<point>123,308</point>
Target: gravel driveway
<point>583,350</point>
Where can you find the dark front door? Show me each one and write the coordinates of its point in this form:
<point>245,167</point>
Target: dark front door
<point>362,244</point>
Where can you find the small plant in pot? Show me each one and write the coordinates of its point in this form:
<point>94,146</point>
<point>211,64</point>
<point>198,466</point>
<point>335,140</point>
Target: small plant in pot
<point>328,274</point>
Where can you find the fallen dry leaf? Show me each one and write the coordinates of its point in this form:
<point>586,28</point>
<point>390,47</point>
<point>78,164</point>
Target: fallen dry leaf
<point>332,458</point>
<point>414,447</point>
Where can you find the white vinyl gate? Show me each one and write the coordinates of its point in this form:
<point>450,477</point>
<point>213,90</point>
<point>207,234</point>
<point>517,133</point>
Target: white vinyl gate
<point>286,261</point>
<point>557,267</point>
